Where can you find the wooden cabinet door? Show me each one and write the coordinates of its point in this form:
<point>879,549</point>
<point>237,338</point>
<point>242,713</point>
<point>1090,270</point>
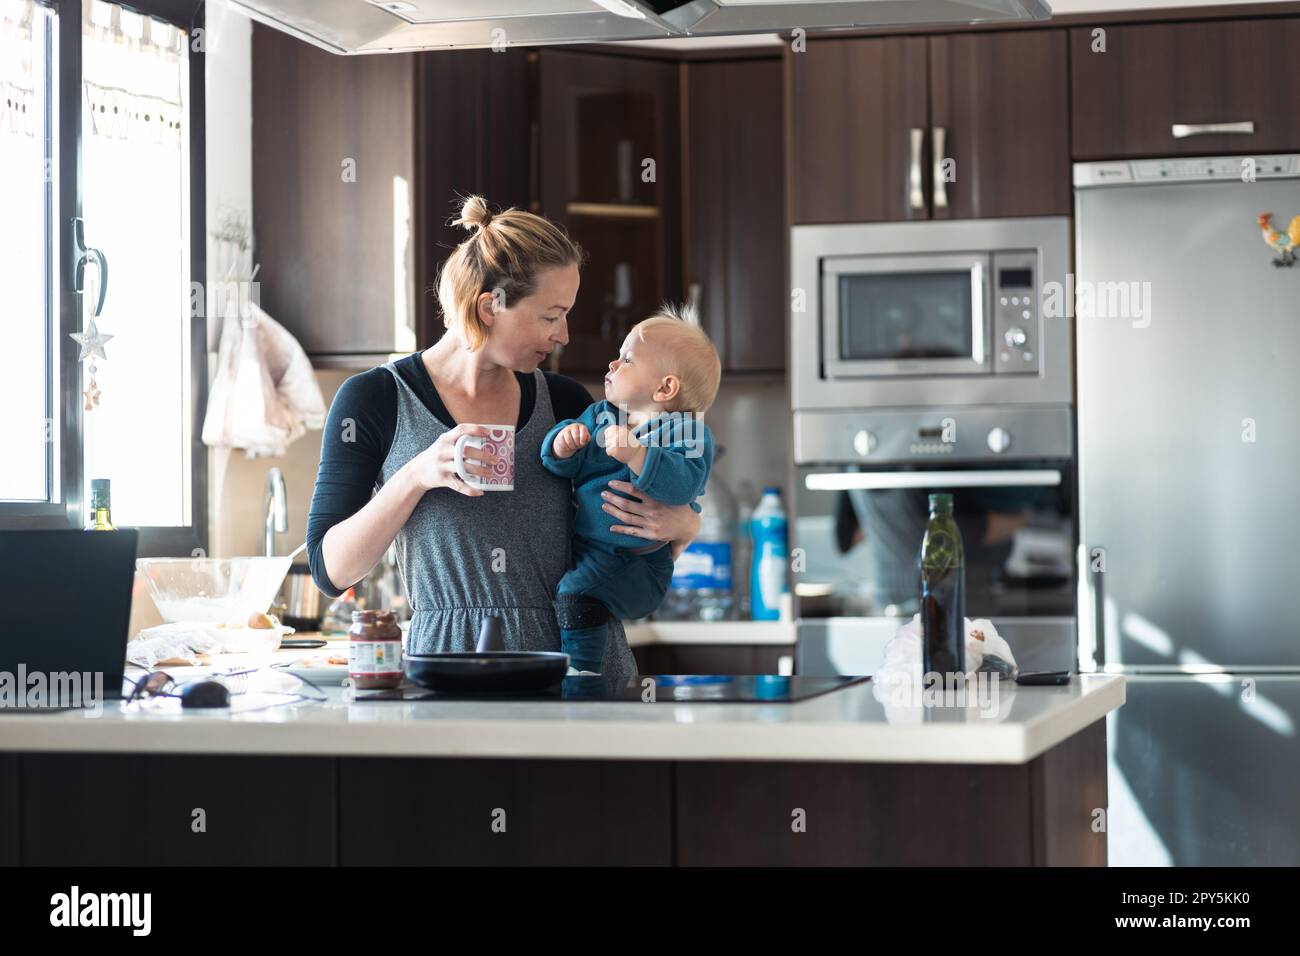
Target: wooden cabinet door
<point>1127,99</point>
<point>333,146</point>
<point>854,105</point>
<point>475,130</point>
<point>999,101</point>
<point>734,213</point>
<point>601,119</point>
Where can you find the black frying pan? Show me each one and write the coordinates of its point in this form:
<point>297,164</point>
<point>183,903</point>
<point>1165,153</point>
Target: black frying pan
<point>488,672</point>
<point>490,669</point>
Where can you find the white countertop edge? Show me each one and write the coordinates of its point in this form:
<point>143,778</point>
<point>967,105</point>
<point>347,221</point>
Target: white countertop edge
<point>605,738</point>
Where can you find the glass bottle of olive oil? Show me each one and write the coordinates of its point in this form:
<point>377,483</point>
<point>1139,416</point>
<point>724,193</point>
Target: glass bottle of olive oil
<point>101,518</point>
<point>943,593</point>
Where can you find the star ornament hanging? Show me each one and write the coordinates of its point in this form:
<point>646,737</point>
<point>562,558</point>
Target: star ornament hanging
<point>91,342</point>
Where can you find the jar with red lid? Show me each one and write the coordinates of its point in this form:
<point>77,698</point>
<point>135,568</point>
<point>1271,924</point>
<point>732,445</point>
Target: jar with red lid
<point>375,650</point>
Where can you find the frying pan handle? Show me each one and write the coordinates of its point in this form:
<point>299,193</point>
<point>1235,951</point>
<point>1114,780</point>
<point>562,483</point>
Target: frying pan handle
<point>489,635</point>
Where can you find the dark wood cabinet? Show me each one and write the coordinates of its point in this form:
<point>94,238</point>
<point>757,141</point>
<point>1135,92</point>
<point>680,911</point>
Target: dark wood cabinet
<point>871,120</point>
<point>333,171</point>
<point>1002,102</point>
<point>10,823</point>
<point>140,810</point>
<point>610,173</point>
<point>734,215</point>
<point>711,658</point>
<point>1041,813</point>
<point>349,256</point>
<point>505,812</point>
<point>476,133</point>
<point>854,108</point>
<point>1128,99</point>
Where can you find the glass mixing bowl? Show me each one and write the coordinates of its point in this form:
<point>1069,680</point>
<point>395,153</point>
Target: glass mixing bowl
<point>213,590</point>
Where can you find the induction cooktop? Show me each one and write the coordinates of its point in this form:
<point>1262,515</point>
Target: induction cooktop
<point>667,688</point>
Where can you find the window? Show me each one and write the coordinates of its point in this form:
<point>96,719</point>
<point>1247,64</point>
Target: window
<point>121,405</point>
<point>27,168</point>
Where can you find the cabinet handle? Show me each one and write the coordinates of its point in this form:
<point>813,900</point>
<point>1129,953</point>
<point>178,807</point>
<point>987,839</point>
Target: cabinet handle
<point>915,194</point>
<point>938,134</point>
<point>1183,130</point>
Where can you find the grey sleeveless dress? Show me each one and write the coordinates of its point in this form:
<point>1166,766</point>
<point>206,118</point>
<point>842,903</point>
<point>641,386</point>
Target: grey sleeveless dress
<point>502,553</point>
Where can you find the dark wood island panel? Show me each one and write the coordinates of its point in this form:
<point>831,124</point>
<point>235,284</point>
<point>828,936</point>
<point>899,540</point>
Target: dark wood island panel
<point>473,812</point>
<point>9,822</point>
<point>80,809</point>
<point>83,809</point>
<point>1035,814</point>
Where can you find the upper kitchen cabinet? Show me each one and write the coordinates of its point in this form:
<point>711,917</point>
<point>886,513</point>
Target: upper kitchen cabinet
<point>476,133</point>
<point>610,173</point>
<point>1185,88</point>
<point>333,172</point>
<point>858,113</point>
<point>734,214</point>
<point>998,108</point>
<point>872,122</point>
<point>357,166</point>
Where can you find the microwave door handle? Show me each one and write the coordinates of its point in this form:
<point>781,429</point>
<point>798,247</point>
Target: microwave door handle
<point>939,134</point>
<point>882,480</point>
<point>977,297</point>
<point>915,193</point>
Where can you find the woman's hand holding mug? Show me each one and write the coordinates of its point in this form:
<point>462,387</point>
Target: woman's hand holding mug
<point>448,464</point>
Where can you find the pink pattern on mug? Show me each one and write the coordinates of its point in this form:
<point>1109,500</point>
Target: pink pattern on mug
<point>500,441</point>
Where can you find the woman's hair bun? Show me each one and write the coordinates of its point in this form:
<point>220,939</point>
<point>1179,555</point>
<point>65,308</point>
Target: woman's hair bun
<point>474,213</point>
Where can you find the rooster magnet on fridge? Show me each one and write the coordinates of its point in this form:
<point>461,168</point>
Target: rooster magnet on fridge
<point>1283,243</point>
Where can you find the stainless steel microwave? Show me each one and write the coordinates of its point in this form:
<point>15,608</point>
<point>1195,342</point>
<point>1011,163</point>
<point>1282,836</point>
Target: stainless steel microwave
<point>930,313</point>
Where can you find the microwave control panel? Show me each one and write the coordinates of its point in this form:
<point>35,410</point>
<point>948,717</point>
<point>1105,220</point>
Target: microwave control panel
<point>1017,305</point>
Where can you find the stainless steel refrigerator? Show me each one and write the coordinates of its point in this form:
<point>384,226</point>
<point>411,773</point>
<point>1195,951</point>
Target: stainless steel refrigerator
<point>1188,360</point>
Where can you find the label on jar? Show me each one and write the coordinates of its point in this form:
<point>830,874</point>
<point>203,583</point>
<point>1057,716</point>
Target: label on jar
<point>374,657</point>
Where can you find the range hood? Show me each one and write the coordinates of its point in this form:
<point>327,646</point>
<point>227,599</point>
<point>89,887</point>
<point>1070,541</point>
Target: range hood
<point>394,26</point>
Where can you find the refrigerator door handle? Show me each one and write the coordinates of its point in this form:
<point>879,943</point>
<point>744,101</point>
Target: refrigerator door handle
<point>1098,579</point>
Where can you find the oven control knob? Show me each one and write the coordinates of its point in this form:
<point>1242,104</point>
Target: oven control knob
<point>864,443</point>
<point>999,440</point>
<point>1015,337</point>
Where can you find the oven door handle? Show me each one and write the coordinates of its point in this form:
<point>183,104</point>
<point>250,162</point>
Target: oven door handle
<point>881,480</point>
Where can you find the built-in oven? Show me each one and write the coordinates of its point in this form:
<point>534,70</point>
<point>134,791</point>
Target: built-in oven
<point>863,478</point>
<point>930,313</point>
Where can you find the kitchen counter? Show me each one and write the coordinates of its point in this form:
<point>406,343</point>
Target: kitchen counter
<point>831,780</point>
<point>848,725</point>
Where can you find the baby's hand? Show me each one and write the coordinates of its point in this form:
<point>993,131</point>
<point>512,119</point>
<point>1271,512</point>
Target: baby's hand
<point>620,443</point>
<point>570,439</point>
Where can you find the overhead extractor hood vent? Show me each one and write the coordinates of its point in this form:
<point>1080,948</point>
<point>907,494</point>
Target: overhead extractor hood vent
<point>389,26</point>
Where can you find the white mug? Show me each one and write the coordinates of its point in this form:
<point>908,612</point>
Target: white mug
<point>500,441</point>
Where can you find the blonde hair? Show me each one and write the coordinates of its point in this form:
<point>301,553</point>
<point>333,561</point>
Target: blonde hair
<point>690,355</point>
<point>505,252</point>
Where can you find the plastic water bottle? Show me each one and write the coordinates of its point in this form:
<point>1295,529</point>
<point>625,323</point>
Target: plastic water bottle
<point>702,586</point>
<point>771,550</point>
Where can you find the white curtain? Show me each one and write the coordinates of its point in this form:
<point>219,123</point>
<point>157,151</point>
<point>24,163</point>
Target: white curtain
<point>24,383</point>
<point>136,207</point>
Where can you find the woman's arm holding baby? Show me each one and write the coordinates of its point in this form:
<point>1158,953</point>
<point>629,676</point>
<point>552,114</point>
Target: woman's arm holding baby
<point>646,518</point>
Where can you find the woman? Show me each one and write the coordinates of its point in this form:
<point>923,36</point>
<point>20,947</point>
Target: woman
<point>505,295</point>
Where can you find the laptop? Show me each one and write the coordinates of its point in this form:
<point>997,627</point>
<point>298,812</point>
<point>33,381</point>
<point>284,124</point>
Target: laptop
<point>68,608</point>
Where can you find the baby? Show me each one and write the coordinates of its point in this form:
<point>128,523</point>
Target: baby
<point>649,432</point>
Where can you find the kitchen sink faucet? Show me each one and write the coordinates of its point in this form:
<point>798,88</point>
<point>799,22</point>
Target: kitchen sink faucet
<point>277,509</point>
